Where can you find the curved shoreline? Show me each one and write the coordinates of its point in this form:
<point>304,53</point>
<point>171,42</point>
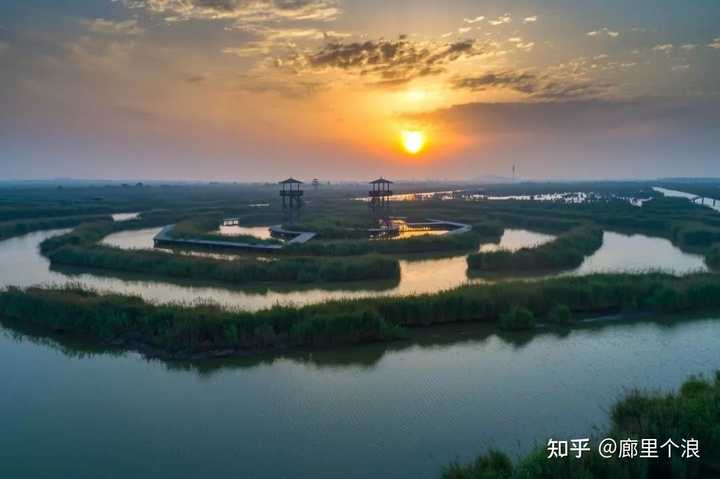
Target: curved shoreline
<point>181,332</point>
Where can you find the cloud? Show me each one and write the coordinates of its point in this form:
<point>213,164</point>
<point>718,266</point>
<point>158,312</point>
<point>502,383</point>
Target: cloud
<point>665,48</point>
<point>501,20</point>
<point>390,61</point>
<point>474,20</point>
<point>680,68</point>
<point>518,42</point>
<point>585,137</point>
<point>111,27</point>
<point>604,31</point>
<point>291,89</point>
<point>532,19</point>
<point>242,11</point>
<point>715,44</point>
<point>688,47</point>
<point>518,81</point>
<point>543,86</point>
<point>268,39</point>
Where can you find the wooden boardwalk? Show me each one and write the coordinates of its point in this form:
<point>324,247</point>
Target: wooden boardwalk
<point>165,240</point>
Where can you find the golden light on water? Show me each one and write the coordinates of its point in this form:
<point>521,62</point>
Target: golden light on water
<point>413,141</point>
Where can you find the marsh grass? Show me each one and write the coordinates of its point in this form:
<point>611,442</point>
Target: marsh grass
<point>692,412</point>
<point>565,252</point>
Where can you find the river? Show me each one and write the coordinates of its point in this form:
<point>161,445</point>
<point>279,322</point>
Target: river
<point>398,411</point>
<point>401,410</point>
<point>626,253</point>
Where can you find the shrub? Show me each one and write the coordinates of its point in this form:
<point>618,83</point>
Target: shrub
<point>694,412</point>
<point>561,314</point>
<point>518,318</point>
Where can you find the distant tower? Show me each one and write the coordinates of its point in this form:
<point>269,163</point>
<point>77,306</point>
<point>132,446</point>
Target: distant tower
<point>513,173</point>
<point>291,195</point>
<point>380,196</point>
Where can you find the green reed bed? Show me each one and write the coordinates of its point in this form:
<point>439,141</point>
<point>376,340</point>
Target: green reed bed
<point>80,248</point>
<point>177,330</point>
<point>692,412</point>
<point>567,251</point>
<point>9,229</point>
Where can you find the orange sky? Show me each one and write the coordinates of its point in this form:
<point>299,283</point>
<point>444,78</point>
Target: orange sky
<point>233,89</point>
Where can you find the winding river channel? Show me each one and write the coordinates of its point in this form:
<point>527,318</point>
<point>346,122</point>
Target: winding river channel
<point>399,411</point>
<point>618,253</point>
<point>394,411</point>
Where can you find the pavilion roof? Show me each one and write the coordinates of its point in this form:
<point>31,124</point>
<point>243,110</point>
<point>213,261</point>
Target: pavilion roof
<point>291,180</point>
<point>381,180</point>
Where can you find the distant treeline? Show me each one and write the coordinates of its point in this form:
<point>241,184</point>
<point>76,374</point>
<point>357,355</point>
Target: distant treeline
<point>567,251</point>
<point>177,330</point>
<point>691,413</point>
<point>80,248</point>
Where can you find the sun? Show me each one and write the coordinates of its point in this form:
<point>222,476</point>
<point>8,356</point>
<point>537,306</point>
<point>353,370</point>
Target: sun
<point>413,141</point>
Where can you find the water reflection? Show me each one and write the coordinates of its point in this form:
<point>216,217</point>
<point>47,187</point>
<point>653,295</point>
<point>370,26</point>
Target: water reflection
<point>514,239</point>
<point>428,401</point>
<point>418,276</point>
<point>698,200</point>
<point>260,232</point>
<point>640,253</point>
<point>132,239</point>
<point>124,216</point>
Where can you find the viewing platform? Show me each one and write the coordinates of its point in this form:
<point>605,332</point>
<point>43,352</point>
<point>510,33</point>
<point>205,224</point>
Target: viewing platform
<point>380,188</point>
<point>293,237</point>
<point>164,239</point>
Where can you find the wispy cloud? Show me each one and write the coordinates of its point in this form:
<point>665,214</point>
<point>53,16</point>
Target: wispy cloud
<point>518,81</point>
<point>604,31</point>
<point>520,44</point>
<point>664,47</point>
<point>688,47</point>
<point>503,19</point>
<point>111,27</point>
<point>388,61</point>
<point>474,20</point>
<point>538,86</point>
<point>245,11</point>
<point>715,44</point>
<point>532,19</point>
<point>268,39</point>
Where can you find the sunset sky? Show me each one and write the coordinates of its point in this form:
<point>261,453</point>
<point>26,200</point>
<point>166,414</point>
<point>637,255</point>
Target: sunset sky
<point>246,90</point>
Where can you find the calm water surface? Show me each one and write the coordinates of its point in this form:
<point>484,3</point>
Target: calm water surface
<point>393,412</point>
<point>709,202</point>
<point>261,232</point>
<point>125,216</point>
<point>619,253</point>
<point>513,240</point>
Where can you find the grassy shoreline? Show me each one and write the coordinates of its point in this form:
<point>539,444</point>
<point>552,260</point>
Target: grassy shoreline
<point>565,252</point>
<point>186,331</point>
<point>11,229</point>
<point>693,412</point>
<point>81,248</point>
